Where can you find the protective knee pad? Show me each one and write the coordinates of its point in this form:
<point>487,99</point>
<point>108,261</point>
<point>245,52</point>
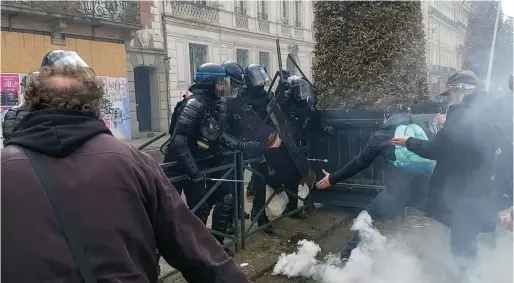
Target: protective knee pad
<point>228,199</point>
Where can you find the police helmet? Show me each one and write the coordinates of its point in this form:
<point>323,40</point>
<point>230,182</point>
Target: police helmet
<point>235,71</point>
<point>212,77</point>
<point>256,75</point>
<point>61,58</point>
<point>300,88</point>
<point>236,74</point>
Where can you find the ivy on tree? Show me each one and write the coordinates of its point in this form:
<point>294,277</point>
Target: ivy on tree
<point>369,54</point>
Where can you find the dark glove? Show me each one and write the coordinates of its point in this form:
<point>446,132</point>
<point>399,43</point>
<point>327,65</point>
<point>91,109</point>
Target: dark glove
<point>251,148</point>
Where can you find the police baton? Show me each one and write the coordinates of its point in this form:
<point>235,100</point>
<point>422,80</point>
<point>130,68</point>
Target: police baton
<point>224,180</point>
<point>318,160</point>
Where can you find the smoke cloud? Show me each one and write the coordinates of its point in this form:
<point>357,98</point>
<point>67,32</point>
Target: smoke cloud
<point>393,259</point>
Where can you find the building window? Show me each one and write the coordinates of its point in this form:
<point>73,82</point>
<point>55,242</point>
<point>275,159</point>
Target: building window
<point>264,59</point>
<point>242,57</point>
<point>298,13</point>
<point>199,2</point>
<point>285,12</point>
<point>240,7</point>
<point>262,12</point>
<point>197,57</point>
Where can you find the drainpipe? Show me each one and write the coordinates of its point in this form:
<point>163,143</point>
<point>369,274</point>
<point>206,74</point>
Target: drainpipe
<point>166,60</point>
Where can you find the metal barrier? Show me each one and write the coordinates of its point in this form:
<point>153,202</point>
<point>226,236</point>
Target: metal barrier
<point>237,167</point>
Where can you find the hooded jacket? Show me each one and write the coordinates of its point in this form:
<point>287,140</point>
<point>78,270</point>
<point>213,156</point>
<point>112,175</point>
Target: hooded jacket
<point>122,205</point>
<point>460,186</point>
<point>396,180</point>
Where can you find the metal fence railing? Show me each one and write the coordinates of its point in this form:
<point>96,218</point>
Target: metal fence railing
<point>236,169</point>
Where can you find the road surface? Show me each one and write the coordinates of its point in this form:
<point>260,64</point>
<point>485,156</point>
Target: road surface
<point>430,245</point>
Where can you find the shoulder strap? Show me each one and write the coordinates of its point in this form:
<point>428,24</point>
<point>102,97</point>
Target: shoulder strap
<point>63,215</point>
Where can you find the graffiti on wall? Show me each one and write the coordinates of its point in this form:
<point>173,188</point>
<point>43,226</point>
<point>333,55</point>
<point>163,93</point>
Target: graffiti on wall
<point>115,106</point>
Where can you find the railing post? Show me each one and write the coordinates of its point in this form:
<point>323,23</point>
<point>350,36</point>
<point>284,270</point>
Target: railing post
<point>240,192</point>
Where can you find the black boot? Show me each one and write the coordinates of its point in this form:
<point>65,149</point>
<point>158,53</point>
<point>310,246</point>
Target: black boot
<point>263,220</point>
<point>292,206</point>
<point>222,216</point>
<point>230,228</point>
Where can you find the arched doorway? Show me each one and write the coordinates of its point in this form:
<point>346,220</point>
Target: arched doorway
<point>143,81</point>
<point>290,65</point>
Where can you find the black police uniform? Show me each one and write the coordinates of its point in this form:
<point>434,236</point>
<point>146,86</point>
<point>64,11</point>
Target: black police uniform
<point>298,109</point>
<point>257,98</point>
<point>197,132</point>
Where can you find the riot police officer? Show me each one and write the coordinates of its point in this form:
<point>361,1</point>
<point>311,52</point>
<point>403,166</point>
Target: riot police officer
<point>298,105</point>
<point>257,98</point>
<point>198,131</point>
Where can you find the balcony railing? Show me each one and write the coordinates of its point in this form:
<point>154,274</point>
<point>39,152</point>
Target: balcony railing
<point>286,31</point>
<point>193,12</point>
<point>298,33</point>
<point>241,21</point>
<point>285,21</point>
<point>127,12</point>
<point>263,26</point>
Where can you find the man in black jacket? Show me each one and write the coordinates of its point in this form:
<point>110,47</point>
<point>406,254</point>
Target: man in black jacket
<point>460,193</point>
<point>402,188</point>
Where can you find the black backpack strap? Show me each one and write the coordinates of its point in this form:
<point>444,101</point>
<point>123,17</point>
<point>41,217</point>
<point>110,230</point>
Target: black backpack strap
<point>63,216</point>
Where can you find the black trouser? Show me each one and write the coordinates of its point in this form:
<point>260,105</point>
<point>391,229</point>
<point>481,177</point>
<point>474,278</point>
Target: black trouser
<point>469,217</point>
<point>222,198</point>
<point>390,204</point>
<point>259,185</point>
<point>284,173</point>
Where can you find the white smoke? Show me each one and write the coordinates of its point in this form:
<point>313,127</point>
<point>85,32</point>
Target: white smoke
<point>385,260</point>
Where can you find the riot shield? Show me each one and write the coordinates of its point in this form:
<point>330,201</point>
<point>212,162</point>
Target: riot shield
<point>285,131</point>
<point>248,124</point>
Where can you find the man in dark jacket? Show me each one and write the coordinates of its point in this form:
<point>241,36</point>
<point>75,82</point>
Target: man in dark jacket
<point>460,193</point>
<point>122,206</point>
<point>402,188</point>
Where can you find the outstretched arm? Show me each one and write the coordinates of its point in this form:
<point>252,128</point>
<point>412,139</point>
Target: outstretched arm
<point>362,161</point>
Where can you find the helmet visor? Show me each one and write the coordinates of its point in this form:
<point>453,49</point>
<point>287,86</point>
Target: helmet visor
<point>303,91</point>
<point>258,77</point>
<point>224,88</point>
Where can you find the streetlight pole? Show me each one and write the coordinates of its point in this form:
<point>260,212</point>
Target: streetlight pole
<point>491,54</point>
